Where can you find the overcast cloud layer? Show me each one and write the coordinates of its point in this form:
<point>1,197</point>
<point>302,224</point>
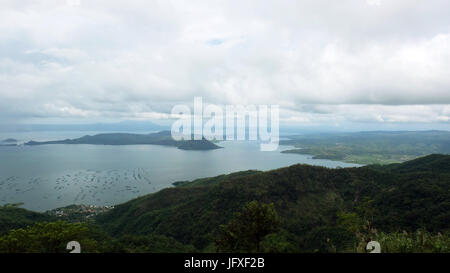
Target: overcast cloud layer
<point>343,61</point>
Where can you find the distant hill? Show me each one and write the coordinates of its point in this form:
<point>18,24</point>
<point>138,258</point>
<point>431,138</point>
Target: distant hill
<point>404,196</point>
<point>377,147</point>
<point>160,138</point>
<point>9,140</point>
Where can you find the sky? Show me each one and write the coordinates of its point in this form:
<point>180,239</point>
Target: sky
<point>340,64</point>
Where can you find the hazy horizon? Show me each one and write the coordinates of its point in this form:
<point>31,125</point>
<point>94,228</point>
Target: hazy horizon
<point>152,126</point>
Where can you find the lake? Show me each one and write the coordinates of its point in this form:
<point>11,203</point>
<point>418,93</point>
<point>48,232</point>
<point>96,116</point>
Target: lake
<point>50,176</point>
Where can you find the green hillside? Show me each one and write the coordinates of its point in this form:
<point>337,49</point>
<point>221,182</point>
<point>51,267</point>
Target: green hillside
<point>307,198</point>
<point>435,163</point>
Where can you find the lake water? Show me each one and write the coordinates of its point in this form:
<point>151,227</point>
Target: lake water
<point>50,176</point>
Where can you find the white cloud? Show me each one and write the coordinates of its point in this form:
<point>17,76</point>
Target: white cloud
<point>321,61</point>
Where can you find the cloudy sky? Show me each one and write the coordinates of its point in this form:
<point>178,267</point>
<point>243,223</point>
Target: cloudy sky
<point>377,62</point>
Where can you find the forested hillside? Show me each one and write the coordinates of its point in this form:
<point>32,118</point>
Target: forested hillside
<point>311,201</point>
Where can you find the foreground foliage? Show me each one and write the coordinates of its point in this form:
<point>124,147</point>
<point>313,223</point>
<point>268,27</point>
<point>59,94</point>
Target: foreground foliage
<point>248,228</point>
<point>419,241</point>
<point>47,237</point>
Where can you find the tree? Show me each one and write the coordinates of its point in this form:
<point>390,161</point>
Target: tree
<point>367,211</point>
<point>349,221</point>
<point>248,228</point>
<point>49,237</point>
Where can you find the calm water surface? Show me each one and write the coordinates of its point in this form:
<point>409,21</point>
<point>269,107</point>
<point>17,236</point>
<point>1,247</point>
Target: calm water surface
<point>50,176</point>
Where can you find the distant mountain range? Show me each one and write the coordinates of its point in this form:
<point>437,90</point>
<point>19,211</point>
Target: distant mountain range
<point>160,138</point>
